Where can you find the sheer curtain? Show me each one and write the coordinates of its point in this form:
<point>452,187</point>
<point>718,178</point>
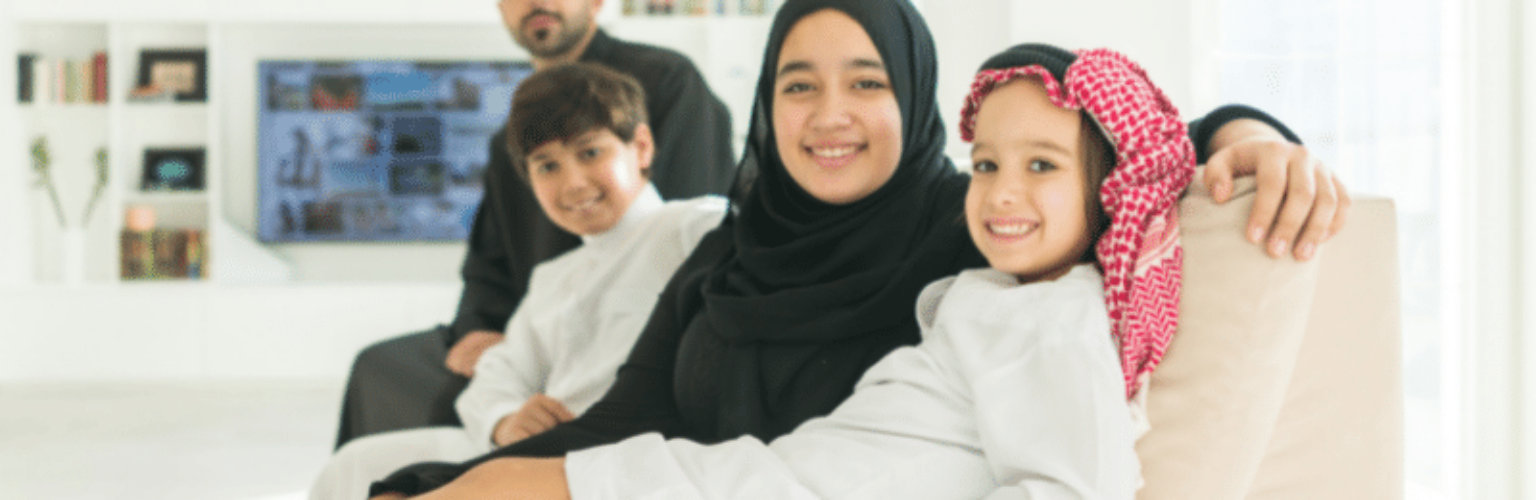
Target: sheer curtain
<point>1372,86</point>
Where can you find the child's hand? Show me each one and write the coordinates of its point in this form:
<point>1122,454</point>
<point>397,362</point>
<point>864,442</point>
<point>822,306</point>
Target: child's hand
<point>466,352</point>
<point>538,414</point>
<point>1300,203</point>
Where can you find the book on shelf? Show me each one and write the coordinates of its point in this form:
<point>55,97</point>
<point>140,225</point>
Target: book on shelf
<point>665,8</point>
<point>61,81</point>
<point>163,254</point>
<point>99,69</point>
<point>24,78</point>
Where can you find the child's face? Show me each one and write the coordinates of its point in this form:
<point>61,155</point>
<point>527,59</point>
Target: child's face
<point>586,184</point>
<point>1026,205</point>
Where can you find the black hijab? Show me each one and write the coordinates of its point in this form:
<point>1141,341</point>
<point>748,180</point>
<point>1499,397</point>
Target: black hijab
<point>814,293</point>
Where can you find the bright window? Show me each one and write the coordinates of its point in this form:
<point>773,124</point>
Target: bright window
<point>1372,87</point>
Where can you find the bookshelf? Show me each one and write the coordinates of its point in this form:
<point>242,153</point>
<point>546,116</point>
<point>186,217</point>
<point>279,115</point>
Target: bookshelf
<point>263,310</point>
<point>234,36</point>
<point>76,239</point>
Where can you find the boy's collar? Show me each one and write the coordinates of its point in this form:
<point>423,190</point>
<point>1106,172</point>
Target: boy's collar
<point>645,204</point>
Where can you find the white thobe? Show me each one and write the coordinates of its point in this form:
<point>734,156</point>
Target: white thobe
<point>576,325</point>
<point>1015,392</point>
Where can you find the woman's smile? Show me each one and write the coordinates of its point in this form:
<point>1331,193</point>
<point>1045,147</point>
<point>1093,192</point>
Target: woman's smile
<point>837,155</point>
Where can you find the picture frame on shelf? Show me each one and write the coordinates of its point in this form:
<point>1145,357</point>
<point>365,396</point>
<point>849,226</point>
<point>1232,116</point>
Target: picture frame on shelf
<point>173,169</point>
<point>180,73</point>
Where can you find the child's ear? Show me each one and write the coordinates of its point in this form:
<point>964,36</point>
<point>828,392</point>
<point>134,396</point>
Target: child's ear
<point>645,148</point>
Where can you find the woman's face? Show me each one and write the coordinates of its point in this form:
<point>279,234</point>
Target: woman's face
<point>835,115</point>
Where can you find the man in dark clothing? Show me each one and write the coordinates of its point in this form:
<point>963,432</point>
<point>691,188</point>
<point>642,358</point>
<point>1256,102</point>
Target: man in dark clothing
<point>412,380</point>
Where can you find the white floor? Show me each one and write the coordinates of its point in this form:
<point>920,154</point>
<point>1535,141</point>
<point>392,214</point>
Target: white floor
<point>165,441</point>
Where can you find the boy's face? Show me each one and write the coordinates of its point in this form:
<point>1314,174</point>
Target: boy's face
<point>1025,207</point>
<point>586,184</point>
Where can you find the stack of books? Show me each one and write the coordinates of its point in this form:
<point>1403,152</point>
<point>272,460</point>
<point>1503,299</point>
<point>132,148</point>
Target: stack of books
<point>698,7</point>
<point>61,81</point>
<point>163,254</point>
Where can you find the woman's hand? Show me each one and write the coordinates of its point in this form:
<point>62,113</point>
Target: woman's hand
<point>520,478</point>
<point>1300,203</point>
<point>538,414</point>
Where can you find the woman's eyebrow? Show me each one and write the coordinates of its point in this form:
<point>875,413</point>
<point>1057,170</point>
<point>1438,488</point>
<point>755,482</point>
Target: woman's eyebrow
<point>862,63</point>
<point>791,67</point>
<point>856,63</point>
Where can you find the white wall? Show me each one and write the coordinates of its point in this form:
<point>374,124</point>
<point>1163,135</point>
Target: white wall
<point>1493,258</point>
<point>15,258</point>
<point>1525,467</point>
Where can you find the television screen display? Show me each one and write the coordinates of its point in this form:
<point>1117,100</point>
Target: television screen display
<point>383,150</point>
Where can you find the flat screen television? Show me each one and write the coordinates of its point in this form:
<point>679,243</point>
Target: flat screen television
<point>375,150</point>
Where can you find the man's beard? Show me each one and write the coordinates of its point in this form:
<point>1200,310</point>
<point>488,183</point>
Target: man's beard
<point>557,40</point>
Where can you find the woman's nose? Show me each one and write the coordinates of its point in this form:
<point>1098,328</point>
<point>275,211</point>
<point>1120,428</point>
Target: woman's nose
<point>831,111</point>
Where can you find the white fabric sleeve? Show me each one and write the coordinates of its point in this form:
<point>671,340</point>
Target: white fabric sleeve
<point>649,467</point>
<point>1054,424</point>
<point>703,215</point>
<point>507,375</point>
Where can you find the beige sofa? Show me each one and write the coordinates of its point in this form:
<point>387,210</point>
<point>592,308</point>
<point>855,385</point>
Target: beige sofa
<point>1284,379</point>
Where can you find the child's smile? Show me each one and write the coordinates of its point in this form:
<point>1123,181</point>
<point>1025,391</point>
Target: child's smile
<point>1011,228</point>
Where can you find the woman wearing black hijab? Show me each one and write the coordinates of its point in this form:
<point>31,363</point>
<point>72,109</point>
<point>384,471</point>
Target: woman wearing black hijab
<point>780,310</point>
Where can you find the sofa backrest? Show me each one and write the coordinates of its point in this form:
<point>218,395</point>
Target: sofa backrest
<point>1283,380</point>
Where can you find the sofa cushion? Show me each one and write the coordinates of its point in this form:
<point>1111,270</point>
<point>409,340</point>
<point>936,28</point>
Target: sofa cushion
<point>1340,431</point>
<point>1214,401</point>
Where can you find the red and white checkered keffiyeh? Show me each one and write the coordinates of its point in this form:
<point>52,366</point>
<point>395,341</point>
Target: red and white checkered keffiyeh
<point>1154,162</point>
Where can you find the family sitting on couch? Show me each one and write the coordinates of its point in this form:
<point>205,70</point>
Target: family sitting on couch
<point>857,318</point>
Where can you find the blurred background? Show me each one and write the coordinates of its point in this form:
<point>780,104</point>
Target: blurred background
<point>154,344</point>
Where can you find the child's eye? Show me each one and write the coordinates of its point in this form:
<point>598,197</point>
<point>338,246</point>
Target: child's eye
<point>546,167</point>
<point>590,153</point>
<point>984,166</point>
<point>1041,166</point>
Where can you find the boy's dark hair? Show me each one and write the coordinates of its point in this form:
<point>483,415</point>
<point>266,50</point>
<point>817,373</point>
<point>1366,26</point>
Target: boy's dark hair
<point>565,101</point>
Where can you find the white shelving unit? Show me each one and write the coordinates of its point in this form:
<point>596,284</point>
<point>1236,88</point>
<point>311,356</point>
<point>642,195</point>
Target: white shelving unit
<point>264,311</point>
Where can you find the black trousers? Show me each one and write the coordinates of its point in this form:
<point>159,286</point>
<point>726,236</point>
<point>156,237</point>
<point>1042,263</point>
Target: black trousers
<point>401,383</point>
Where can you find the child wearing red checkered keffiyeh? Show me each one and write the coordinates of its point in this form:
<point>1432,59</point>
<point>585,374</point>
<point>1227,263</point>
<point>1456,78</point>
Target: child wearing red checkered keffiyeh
<point>1137,246</point>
